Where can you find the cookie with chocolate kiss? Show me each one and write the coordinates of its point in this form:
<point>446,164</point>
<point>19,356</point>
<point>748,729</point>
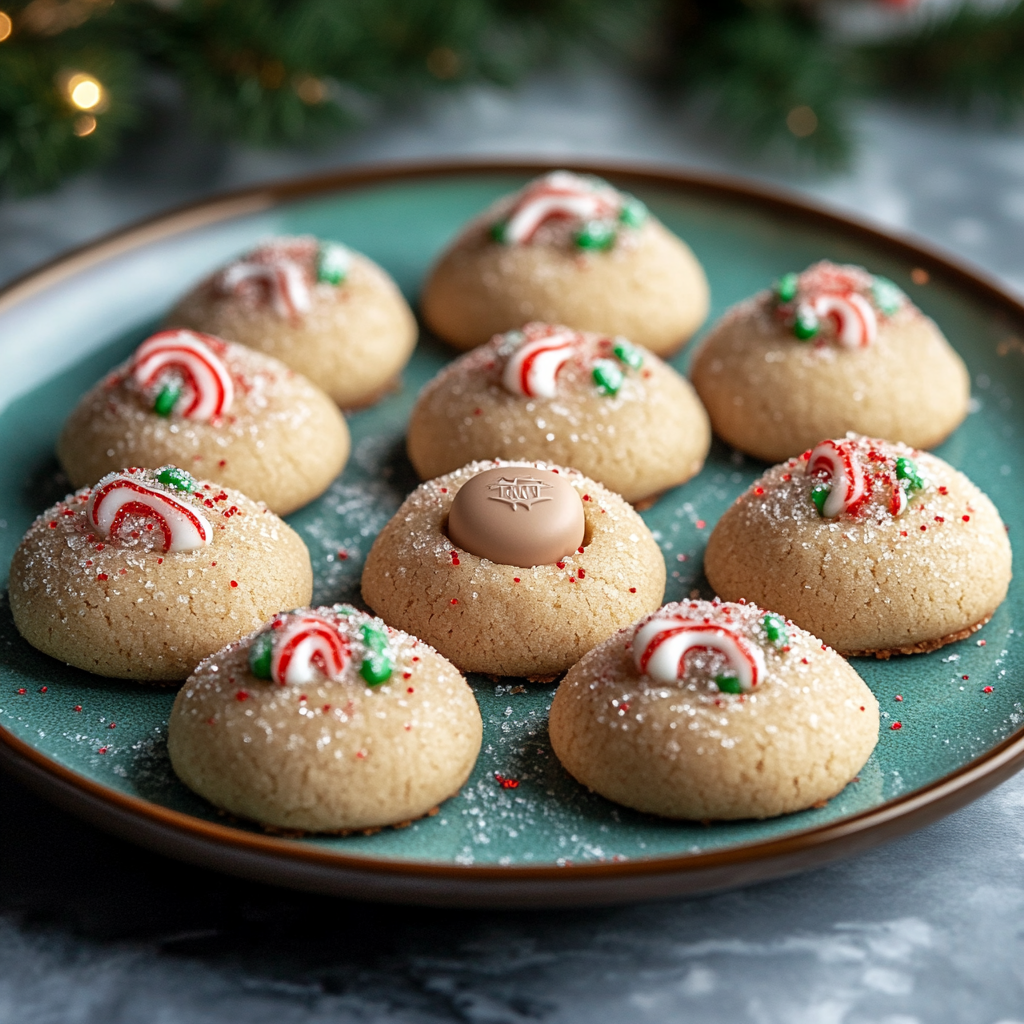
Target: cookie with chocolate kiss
<point>827,351</point>
<point>876,547</point>
<point>529,608</point>
<point>567,249</point>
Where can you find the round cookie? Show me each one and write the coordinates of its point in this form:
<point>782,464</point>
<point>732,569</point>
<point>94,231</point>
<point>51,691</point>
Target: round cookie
<point>327,312</point>
<point>325,721</point>
<point>830,350</point>
<point>149,571</point>
<point>873,546</point>
<point>643,721</point>
<point>500,618</point>
<point>567,249</point>
<point>242,419</point>
<point>612,410</point>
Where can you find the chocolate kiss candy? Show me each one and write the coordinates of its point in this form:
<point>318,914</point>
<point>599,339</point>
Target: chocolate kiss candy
<point>517,515</point>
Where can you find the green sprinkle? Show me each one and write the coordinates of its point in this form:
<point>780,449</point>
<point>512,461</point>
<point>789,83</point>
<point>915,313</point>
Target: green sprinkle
<point>179,479</point>
<point>167,399</point>
<point>626,352</point>
<point>498,232</point>
<point>261,651</point>
<point>775,628</point>
<point>633,212</point>
<point>379,663</point>
<point>596,234</point>
<point>888,296</point>
<point>343,609</point>
<point>906,469</point>
<point>786,287</point>
<point>333,262</point>
<point>608,377</point>
<point>728,684</point>
<point>819,492</point>
<point>806,325</point>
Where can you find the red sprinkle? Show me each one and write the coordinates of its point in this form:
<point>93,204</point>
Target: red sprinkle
<point>78,707</point>
<point>159,561</point>
<point>53,524</point>
<point>43,689</point>
<point>896,725</point>
<point>987,689</point>
<point>965,678</point>
<point>924,527</point>
<point>759,490</point>
<point>939,519</point>
<point>700,524</point>
<point>222,463</point>
<point>581,573</point>
<point>234,583</point>
<point>966,519</point>
<point>579,551</point>
<point>903,533</point>
<point>515,579</point>
<point>342,554</point>
<point>505,783</point>
<point>101,575</point>
<point>561,565</point>
<point>454,600</point>
<point>444,490</point>
<point>22,691</point>
<point>981,643</point>
<point>898,697</point>
<point>113,725</point>
<point>632,590</point>
<point>478,412</point>
<point>586,497</point>
<point>943,490</point>
<point>805,661</point>
<point>327,707</point>
<point>410,690</point>
<point>241,695</point>
<point>102,750</point>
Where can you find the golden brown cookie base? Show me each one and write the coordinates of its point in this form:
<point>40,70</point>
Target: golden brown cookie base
<point>299,833</point>
<point>391,387</point>
<point>920,648</point>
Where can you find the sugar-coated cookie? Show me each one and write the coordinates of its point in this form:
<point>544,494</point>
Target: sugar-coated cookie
<point>873,546</point>
<point>567,249</point>
<point>329,313</point>
<point>706,710</point>
<point>237,417</point>
<point>541,587</point>
<point>827,351</point>
<point>323,721</point>
<point>149,571</point>
<point>606,407</point>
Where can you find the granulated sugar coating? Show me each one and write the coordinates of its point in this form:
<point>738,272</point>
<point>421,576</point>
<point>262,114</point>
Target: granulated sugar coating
<point>280,440</point>
<point>917,558</point>
<point>706,740</point>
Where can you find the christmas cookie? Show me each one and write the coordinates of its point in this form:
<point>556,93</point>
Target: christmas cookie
<point>829,350</point>
<point>706,710</point>
<point>323,721</point>
<point>325,311</point>
<point>873,546</point>
<point>608,408</point>
<point>240,418</point>
<point>567,249</point>
<point>150,571</point>
<point>513,568</point>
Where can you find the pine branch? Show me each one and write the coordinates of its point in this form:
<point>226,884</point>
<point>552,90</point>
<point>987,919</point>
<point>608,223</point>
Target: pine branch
<point>976,55</point>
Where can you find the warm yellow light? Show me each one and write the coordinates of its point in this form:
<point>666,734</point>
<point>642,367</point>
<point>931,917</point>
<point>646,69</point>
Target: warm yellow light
<point>84,91</point>
<point>802,121</point>
<point>5,26</point>
<point>85,124</point>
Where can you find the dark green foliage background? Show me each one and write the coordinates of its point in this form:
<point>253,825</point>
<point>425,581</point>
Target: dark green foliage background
<point>240,65</point>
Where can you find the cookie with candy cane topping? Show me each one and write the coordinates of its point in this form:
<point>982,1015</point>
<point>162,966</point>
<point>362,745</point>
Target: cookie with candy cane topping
<point>876,547</point>
<point>609,408</point>
<point>826,351</point>
<point>535,617</point>
<point>567,249</point>
<point>148,571</point>
<point>329,313</point>
<point>706,710</point>
<point>325,720</point>
<point>242,419</point>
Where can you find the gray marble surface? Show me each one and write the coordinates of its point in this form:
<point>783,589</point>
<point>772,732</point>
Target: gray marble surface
<point>927,929</point>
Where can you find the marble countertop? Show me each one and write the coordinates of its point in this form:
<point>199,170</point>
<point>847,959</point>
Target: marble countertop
<point>926,929</point>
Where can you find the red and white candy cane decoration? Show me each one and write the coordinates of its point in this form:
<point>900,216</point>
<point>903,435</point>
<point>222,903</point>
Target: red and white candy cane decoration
<point>838,464</point>
<point>280,280</point>
<point>532,370</point>
<point>854,317</point>
<point>558,196</point>
<point>118,497</point>
<point>191,356</point>
<point>662,644</point>
<point>304,644</point>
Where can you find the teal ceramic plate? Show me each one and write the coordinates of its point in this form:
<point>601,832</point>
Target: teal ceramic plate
<point>97,746</point>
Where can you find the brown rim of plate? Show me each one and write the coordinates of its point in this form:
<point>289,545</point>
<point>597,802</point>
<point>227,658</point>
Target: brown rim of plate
<point>733,865</point>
